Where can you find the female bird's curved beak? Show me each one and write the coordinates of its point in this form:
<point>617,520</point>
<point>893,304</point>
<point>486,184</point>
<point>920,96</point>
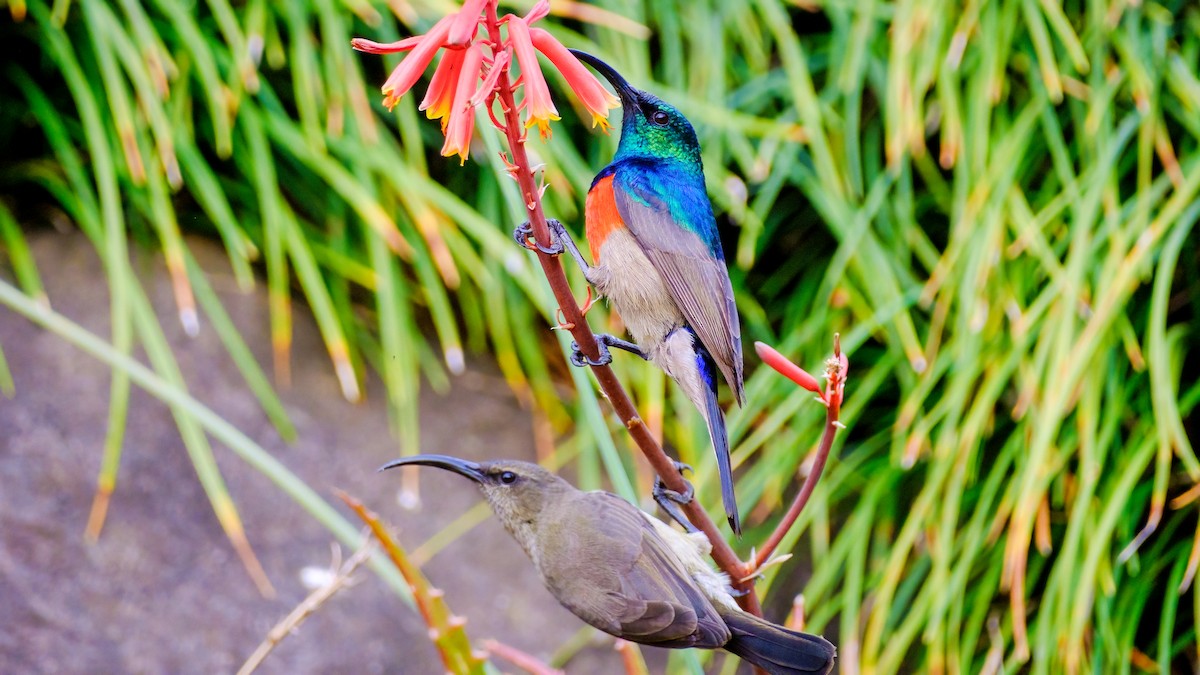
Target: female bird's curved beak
<point>461,467</point>
<point>627,93</point>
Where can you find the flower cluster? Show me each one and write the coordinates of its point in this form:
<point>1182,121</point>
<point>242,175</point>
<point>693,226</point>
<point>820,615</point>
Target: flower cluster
<point>472,65</point>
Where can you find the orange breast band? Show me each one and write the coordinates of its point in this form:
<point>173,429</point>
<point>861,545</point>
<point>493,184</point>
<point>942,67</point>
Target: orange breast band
<point>600,216</point>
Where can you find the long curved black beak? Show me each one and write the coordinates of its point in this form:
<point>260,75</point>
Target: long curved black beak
<point>461,467</point>
<point>627,93</point>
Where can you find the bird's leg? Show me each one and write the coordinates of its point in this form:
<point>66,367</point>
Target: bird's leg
<point>603,342</point>
<point>669,500</point>
<point>564,241</point>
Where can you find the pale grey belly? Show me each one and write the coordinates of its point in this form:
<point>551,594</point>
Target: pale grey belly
<point>636,290</point>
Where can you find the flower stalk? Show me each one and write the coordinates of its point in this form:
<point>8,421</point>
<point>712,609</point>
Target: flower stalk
<point>475,70</point>
<point>831,397</point>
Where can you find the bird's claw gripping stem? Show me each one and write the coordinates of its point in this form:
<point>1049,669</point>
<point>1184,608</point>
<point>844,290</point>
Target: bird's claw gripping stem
<point>524,236</point>
<point>603,342</point>
<point>560,242</point>
<point>669,500</point>
<point>579,359</point>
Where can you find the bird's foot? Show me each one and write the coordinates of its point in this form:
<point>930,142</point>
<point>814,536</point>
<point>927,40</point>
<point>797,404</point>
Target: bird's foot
<point>579,359</point>
<point>669,500</point>
<point>603,342</point>
<point>661,491</point>
<point>524,236</point>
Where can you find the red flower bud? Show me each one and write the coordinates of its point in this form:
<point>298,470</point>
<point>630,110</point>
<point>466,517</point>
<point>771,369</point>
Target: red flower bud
<point>786,368</point>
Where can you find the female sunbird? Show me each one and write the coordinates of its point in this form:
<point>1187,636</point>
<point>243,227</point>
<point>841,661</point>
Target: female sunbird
<point>626,572</point>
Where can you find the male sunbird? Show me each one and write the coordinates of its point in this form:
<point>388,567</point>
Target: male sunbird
<point>658,259</point>
<point>626,572</point>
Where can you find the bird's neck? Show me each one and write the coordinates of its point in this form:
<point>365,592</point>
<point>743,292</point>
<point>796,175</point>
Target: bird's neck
<point>521,523</point>
<point>522,518</point>
<point>681,157</point>
<point>525,532</point>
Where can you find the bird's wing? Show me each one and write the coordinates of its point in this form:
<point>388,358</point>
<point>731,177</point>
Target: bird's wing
<point>623,579</point>
<point>676,229</point>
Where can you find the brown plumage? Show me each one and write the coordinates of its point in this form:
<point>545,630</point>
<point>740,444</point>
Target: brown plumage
<point>627,573</point>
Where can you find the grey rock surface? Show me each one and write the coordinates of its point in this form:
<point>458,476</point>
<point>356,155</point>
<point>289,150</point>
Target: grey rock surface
<point>162,590</point>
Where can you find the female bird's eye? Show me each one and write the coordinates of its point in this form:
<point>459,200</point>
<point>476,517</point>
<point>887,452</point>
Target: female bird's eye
<point>508,478</point>
<point>660,118</point>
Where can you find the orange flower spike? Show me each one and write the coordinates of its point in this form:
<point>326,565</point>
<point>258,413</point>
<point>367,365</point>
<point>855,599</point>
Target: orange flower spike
<point>466,23</point>
<point>587,88</point>
<point>539,108</point>
<point>788,369</point>
<point>410,69</point>
<point>440,96</point>
<point>461,123</point>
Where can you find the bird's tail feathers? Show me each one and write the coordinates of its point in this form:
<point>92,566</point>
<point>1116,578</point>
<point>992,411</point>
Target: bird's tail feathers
<point>775,649</point>
<point>720,441</point>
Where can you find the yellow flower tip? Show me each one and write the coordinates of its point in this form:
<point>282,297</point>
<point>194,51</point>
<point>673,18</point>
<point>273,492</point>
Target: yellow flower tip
<point>462,154</point>
<point>439,112</point>
<point>543,123</point>
<point>450,151</point>
<point>458,140</point>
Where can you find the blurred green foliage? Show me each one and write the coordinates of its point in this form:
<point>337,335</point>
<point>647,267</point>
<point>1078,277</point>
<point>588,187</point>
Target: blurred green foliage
<point>992,201</point>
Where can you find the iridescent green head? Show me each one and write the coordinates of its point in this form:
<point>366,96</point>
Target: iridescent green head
<point>650,127</point>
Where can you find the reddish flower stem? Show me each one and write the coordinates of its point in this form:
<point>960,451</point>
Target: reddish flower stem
<point>806,490</point>
<point>833,405</point>
<point>722,554</point>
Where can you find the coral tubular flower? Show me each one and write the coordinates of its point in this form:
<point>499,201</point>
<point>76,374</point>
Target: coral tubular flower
<point>442,88</point>
<point>539,109</point>
<point>410,69</point>
<point>493,77</point>
<point>371,47</point>
<point>540,10</point>
<point>466,23</point>
<point>788,369</point>
<point>587,88</point>
<point>461,122</point>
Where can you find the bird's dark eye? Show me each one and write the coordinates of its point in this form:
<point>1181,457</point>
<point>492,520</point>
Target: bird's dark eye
<point>508,477</point>
<point>660,117</point>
